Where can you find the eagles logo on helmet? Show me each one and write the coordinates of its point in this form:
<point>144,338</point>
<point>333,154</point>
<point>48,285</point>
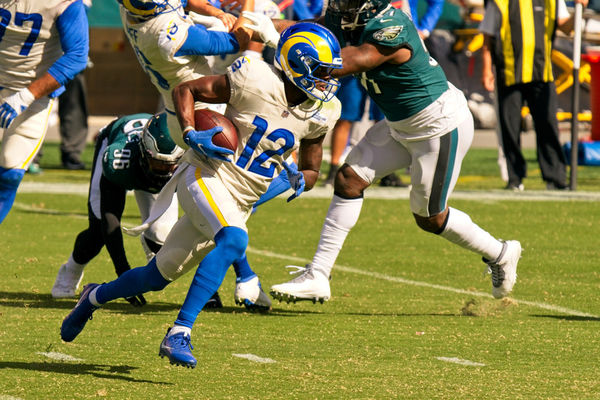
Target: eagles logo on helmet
<point>307,53</point>
<point>160,154</point>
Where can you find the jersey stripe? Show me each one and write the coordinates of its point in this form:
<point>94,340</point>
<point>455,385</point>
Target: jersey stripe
<point>209,198</point>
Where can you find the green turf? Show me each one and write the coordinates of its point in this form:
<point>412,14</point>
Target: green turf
<point>379,337</point>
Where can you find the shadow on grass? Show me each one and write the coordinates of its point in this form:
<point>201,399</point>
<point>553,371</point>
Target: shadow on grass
<point>45,300</point>
<point>113,372</point>
<point>567,317</point>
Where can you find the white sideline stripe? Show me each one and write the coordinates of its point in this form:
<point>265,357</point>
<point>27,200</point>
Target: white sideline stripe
<point>58,356</point>
<point>9,397</point>
<point>371,193</point>
<point>460,361</point>
<point>255,358</point>
<point>389,278</point>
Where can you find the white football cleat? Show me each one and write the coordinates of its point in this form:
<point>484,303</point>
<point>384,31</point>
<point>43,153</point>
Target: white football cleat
<point>251,295</point>
<point>504,269</point>
<point>67,282</point>
<point>309,285</point>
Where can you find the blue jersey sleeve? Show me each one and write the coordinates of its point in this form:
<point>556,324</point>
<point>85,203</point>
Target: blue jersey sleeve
<point>428,21</point>
<point>203,42</point>
<point>72,26</point>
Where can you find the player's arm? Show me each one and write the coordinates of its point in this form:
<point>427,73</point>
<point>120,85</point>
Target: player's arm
<point>369,56</point>
<point>203,7</point>
<point>201,41</point>
<point>72,27</point>
<point>310,156</point>
<point>209,89</point>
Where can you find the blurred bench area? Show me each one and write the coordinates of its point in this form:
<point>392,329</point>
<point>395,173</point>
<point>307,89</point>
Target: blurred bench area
<point>116,83</point>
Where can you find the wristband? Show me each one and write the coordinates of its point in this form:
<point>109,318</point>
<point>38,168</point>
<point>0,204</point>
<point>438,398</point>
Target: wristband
<point>187,129</point>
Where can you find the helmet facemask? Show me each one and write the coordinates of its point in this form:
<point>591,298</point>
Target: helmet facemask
<point>354,14</point>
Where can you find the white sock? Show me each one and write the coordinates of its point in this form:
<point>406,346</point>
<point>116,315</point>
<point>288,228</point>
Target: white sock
<point>92,297</point>
<point>461,230</point>
<point>74,267</point>
<point>341,217</point>
<point>180,328</point>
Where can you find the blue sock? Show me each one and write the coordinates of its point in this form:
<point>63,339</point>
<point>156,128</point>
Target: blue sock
<point>231,243</point>
<point>9,182</point>
<point>277,186</point>
<point>132,283</point>
<point>243,272</point>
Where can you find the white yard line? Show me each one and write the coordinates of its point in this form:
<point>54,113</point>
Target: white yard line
<point>456,360</point>
<point>377,275</point>
<point>371,193</point>
<point>255,358</point>
<point>58,356</point>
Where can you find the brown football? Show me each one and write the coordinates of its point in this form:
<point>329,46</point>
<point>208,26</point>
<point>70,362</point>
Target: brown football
<point>207,119</point>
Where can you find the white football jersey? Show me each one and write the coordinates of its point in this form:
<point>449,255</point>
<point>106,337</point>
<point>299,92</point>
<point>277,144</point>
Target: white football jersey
<point>269,129</point>
<point>155,42</point>
<point>29,43</point>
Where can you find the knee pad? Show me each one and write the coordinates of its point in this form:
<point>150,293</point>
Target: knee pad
<point>233,240</point>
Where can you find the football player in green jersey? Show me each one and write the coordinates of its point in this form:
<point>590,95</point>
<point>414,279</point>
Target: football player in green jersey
<point>136,153</point>
<point>427,128</point>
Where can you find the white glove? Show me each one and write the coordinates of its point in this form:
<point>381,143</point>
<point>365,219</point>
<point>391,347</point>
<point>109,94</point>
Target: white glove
<point>14,105</point>
<point>264,26</point>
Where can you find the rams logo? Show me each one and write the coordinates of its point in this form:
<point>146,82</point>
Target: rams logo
<point>388,34</point>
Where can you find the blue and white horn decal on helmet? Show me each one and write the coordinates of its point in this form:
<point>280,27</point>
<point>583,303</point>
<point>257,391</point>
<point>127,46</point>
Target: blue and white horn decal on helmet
<point>308,53</point>
<point>149,8</point>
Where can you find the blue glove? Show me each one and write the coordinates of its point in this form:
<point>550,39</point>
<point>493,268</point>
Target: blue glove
<point>201,142</point>
<point>296,179</point>
<point>14,105</point>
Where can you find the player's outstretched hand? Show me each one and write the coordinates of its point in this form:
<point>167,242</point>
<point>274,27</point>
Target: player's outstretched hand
<point>296,179</point>
<point>264,26</point>
<point>201,142</point>
<point>136,301</point>
<point>14,105</point>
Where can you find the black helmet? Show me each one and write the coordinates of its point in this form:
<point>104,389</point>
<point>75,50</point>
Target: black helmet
<point>354,14</point>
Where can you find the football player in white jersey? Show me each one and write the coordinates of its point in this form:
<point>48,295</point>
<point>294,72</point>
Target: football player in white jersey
<point>43,45</point>
<point>173,47</point>
<point>276,112</point>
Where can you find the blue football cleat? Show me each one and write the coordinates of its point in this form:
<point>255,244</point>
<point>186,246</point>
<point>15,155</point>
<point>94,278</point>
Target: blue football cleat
<point>178,349</point>
<point>74,323</point>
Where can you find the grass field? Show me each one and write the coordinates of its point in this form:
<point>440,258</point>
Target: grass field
<point>411,315</point>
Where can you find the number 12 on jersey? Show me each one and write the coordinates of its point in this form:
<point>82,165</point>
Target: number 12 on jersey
<point>256,165</point>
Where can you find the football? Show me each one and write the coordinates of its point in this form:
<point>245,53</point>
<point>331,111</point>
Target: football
<point>207,119</point>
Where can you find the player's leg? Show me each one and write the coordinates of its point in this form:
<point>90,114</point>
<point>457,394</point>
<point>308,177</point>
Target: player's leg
<point>213,210</point>
<point>542,102</point>
<point>376,155</point>
<point>89,242</point>
<point>434,172</point>
<point>20,143</point>
<point>183,249</point>
<point>510,101</point>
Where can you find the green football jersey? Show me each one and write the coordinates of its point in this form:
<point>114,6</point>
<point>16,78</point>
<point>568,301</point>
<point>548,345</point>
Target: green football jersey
<point>121,159</point>
<point>400,90</point>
